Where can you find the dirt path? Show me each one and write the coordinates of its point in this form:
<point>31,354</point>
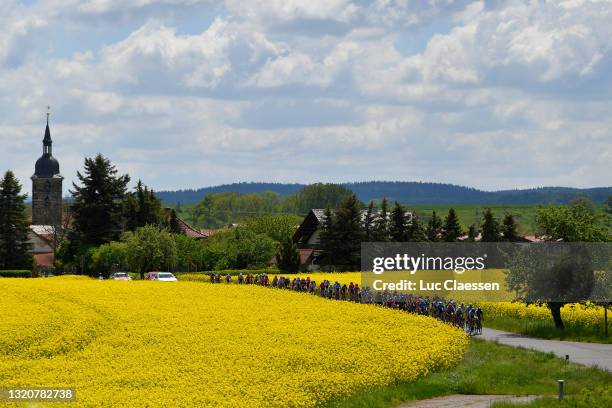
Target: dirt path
<point>582,353</point>
<point>467,401</point>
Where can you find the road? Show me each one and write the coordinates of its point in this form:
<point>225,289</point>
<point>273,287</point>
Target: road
<point>467,401</point>
<point>582,353</point>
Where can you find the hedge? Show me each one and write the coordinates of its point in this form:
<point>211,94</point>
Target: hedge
<point>233,272</point>
<point>15,274</point>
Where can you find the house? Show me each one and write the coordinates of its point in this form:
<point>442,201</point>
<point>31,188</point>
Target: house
<point>307,236</point>
<point>190,231</point>
<point>41,238</point>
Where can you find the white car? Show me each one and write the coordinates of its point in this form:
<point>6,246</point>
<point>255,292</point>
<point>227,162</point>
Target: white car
<point>124,276</point>
<point>165,277</point>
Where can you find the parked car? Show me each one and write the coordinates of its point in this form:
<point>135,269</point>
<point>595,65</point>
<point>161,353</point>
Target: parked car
<point>151,275</point>
<point>166,277</point>
<point>123,276</point>
<point>161,276</point>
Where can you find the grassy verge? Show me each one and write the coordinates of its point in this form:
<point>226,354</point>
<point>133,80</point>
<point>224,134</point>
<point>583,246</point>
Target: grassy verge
<point>490,368</point>
<point>547,330</point>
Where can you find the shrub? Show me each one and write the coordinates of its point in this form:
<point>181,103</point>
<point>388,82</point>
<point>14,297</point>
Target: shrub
<point>16,274</point>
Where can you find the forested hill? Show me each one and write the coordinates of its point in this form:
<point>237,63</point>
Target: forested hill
<point>195,196</point>
<point>408,192</point>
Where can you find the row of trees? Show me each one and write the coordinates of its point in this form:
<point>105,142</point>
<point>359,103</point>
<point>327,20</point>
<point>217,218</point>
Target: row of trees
<point>347,226</point>
<point>103,210</point>
<point>219,209</point>
<point>151,248</point>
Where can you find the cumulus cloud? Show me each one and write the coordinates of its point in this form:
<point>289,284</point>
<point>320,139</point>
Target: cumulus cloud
<point>207,92</point>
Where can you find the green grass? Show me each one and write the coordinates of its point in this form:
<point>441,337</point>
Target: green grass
<point>490,368</point>
<point>588,397</point>
<point>547,330</point>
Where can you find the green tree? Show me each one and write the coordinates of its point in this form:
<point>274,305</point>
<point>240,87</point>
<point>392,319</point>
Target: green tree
<point>347,231</point>
<point>277,227</point>
<point>368,223</point>
<point>381,223</point>
<point>608,212</point>
<point>490,227</point>
<point>452,229</point>
<point>472,233</point>
<point>572,276</point>
<point>288,256</point>
<point>551,275</point>
<point>249,250</point>
<point>141,208</point>
<point>585,202</point>
<point>416,230</point>
<point>149,249</point>
<point>97,209</point>
<point>110,256</point>
<point>173,224</point>
<point>188,252</point>
<point>14,246</point>
<point>319,195</point>
<point>574,223</point>
<point>398,225</point>
<point>434,228</point>
<point>328,241</point>
<point>509,228</point>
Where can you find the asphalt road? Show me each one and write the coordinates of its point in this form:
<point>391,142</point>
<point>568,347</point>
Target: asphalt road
<point>467,401</point>
<point>582,353</point>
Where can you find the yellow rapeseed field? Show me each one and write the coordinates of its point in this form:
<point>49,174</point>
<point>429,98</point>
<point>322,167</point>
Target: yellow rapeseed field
<point>572,314</point>
<point>144,343</point>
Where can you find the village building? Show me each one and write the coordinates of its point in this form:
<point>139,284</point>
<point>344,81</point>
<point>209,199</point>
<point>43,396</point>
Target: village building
<point>47,186</point>
<point>190,231</point>
<point>42,240</point>
<point>46,204</point>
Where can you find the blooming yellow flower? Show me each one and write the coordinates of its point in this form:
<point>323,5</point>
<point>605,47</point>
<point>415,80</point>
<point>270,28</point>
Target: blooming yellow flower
<point>573,314</point>
<point>147,343</point>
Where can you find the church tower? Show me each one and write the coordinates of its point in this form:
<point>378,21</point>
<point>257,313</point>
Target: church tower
<point>47,186</point>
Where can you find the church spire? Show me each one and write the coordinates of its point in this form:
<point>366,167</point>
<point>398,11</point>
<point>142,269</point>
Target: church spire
<point>47,140</point>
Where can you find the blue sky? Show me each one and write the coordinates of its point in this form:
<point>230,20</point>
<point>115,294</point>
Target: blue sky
<point>190,93</point>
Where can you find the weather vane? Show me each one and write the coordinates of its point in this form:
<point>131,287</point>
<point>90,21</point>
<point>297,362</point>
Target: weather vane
<point>48,113</point>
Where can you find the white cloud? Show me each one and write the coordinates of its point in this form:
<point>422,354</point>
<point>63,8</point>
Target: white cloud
<point>289,10</point>
<point>186,104</point>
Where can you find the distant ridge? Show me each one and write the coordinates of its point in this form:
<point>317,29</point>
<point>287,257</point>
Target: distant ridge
<point>408,192</point>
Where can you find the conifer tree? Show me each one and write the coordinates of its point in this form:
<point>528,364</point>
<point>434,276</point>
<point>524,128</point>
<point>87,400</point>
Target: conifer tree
<point>381,223</point>
<point>471,233</point>
<point>288,257</point>
<point>327,239</point>
<point>142,208</point>
<point>490,227</point>
<point>130,205</point>
<point>14,229</point>
<point>368,223</point>
<point>173,223</point>
<point>347,231</point>
<point>98,203</point>
<point>398,227</point>
<point>452,229</point>
<point>416,230</point>
<point>509,228</point>
<point>434,228</point>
